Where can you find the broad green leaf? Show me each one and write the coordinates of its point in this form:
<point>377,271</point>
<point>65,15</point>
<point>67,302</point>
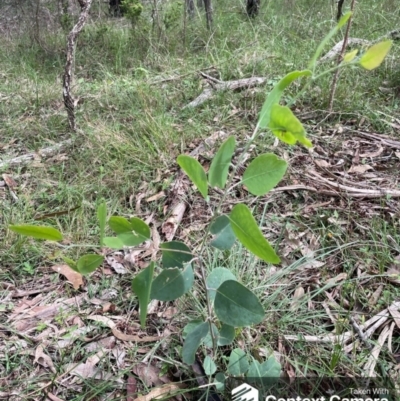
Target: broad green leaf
<point>119,224</point>
<point>224,235</point>
<point>113,242</point>
<point>348,57</point>
<point>195,172</point>
<point>226,335</point>
<point>263,173</point>
<point>39,232</point>
<point>276,94</point>
<point>327,38</point>
<point>171,284</point>
<point>216,278</point>
<point>102,218</point>
<point>264,374</point>
<point>71,263</point>
<point>287,127</point>
<point>190,327</point>
<point>141,286</point>
<point>175,254</point>
<point>237,306</point>
<point>374,56</point>
<point>89,263</point>
<point>140,229</point>
<point>246,230</point>
<point>192,343</point>
<point>220,381</point>
<point>238,362</point>
<point>209,366</point>
<point>218,173</point>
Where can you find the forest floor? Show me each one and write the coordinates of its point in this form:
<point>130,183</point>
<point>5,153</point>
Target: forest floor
<point>332,304</point>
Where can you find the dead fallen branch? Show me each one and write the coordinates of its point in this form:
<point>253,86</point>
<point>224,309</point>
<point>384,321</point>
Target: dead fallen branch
<point>217,85</point>
<point>40,154</point>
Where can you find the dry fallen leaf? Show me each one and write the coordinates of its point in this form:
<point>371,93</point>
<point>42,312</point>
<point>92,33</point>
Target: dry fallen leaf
<point>148,373</point>
<point>360,169</point>
<point>158,392</point>
<point>72,276</point>
<point>43,359</point>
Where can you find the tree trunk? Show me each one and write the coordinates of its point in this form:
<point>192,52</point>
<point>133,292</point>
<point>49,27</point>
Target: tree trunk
<point>252,8</point>
<point>209,11</point>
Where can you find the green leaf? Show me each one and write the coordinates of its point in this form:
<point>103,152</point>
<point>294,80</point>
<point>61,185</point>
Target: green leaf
<point>71,263</point>
<point>39,232</point>
<point>216,278</point>
<point>225,237</point>
<point>209,366</point>
<point>237,306</point>
<point>119,224</point>
<point>140,229</point>
<point>102,218</point>
<point>263,173</point>
<point>190,327</point>
<point>246,230</point>
<point>89,263</point>
<point>264,374</point>
<point>218,173</point>
<point>220,381</point>
<point>226,335</point>
<point>238,362</point>
<point>171,284</point>
<point>276,94</point>
<point>374,56</point>
<point>327,38</point>
<point>195,172</point>
<point>141,286</point>
<point>287,127</point>
<point>348,57</point>
<point>192,343</point>
<point>175,254</point>
<point>113,242</point>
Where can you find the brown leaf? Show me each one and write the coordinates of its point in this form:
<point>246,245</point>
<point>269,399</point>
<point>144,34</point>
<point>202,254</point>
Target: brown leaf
<point>72,276</point>
<point>9,181</point>
<point>322,163</point>
<point>43,359</point>
<point>149,374</point>
<point>395,314</point>
<point>360,169</point>
<point>158,392</point>
<point>131,388</point>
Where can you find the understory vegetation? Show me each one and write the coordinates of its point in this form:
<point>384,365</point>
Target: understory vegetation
<point>333,219</point>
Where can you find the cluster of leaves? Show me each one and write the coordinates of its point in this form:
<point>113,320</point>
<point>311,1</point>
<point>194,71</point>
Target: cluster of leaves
<point>132,10</point>
<point>230,303</point>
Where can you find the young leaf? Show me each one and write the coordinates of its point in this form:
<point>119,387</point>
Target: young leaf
<point>225,237</point>
<point>119,224</point>
<point>208,341</point>
<point>89,263</point>
<point>71,263</point>
<point>226,335</point>
<point>264,374</point>
<point>102,218</point>
<point>237,306</point>
<point>374,56</point>
<point>141,286</point>
<point>190,327</point>
<point>175,254</point>
<point>192,343</point>
<point>216,278</point>
<point>195,172</point>
<point>246,230</point>
<point>209,366</point>
<point>276,94</point>
<point>171,284</point>
<point>238,362</point>
<point>287,127</point>
<point>39,232</point>
<point>113,242</point>
<point>348,57</point>
<point>218,173</point>
<point>263,173</point>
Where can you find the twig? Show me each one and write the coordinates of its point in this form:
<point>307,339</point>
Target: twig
<point>340,59</point>
<point>69,102</point>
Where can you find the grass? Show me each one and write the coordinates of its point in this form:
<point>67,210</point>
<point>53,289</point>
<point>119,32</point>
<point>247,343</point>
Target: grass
<point>132,86</point>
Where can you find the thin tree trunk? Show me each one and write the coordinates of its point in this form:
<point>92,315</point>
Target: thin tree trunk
<point>209,12</point>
